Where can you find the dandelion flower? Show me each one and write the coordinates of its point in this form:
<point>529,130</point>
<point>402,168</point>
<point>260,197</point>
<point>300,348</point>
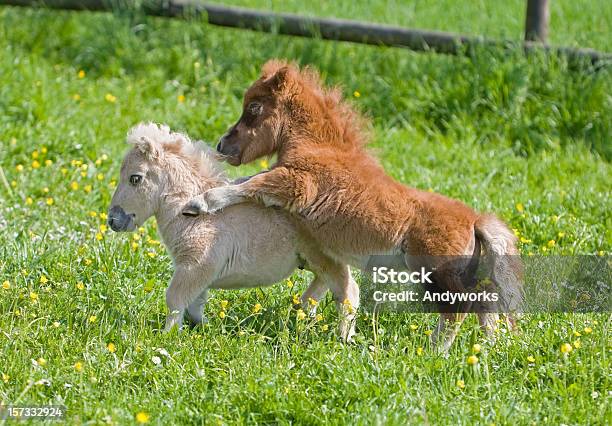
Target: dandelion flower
<point>80,285</point>
<point>296,299</point>
<point>87,188</point>
<point>44,150</point>
<point>111,347</point>
<point>476,348</point>
<point>356,94</point>
<point>413,326</point>
<point>257,308</point>
<point>48,163</point>
<point>460,384</point>
<point>5,378</point>
<point>531,359</point>
<point>50,201</point>
<point>551,243</point>
<point>472,360</point>
<point>76,97</point>
<point>34,155</point>
<point>588,330</point>
<point>577,344</point>
<point>93,318</point>
<point>300,315</point>
<point>325,327</point>
<point>142,417</point>
<point>35,164</point>
<point>134,245</point>
<point>93,214</point>
<point>41,361</point>
<point>33,296</point>
<point>74,185</point>
<point>577,334</point>
<point>222,314</point>
<point>81,74</point>
<point>419,351</point>
<point>566,348</point>
<point>312,302</point>
<point>289,283</point>
<point>103,228</point>
<point>43,279</point>
<point>110,98</point>
<point>151,254</point>
<point>6,285</point>
<point>264,164</point>
<point>319,317</point>
<point>224,304</point>
<point>181,98</point>
<point>100,176</point>
<point>78,366</point>
<point>19,167</point>
<point>99,236</point>
<point>427,332</point>
<point>519,207</point>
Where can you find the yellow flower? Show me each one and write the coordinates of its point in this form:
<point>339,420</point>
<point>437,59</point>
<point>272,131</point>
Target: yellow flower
<point>34,155</point>
<point>111,347</point>
<point>419,351</point>
<point>93,318</point>
<point>222,314</point>
<point>224,304</point>
<point>577,334</point>
<point>87,188</point>
<point>43,279</point>
<point>29,201</point>
<point>6,285</point>
<point>561,234</point>
<point>5,378</point>
<point>135,237</point>
<point>181,98</point>
<point>356,94</point>
<point>319,317</point>
<point>74,185</point>
<point>49,201</point>
<point>64,171</point>
<point>33,296</point>
<point>103,216</point>
<point>551,243</point>
<point>325,327</point>
<point>588,330</point>
<point>110,98</point>
<point>103,227</point>
<point>413,326</point>
<point>530,358</point>
<point>427,332</point>
<point>80,285</point>
<point>35,164</point>
<point>577,344</point>
<point>100,176</point>
<point>151,254</point>
<point>93,214</point>
<point>76,97</point>
<point>300,315</point>
<point>78,366</point>
<point>88,261</point>
<point>81,74</point>
<point>472,360</point>
<point>56,324</point>
<point>264,164</point>
<point>460,384</point>
<point>256,308</point>
<point>142,417</point>
<point>312,302</point>
<point>476,348</point>
<point>134,245</point>
<point>48,163</point>
<point>14,183</point>
<point>44,150</point>
<point>289,283</point>
<point>19,167</point>
<point>296,299</point>
<point>519,207</point>
<point>349,307</point>
<point>41,361</point>
<point>99,236</point>
<point>46,190</point>
<point>566,348</point>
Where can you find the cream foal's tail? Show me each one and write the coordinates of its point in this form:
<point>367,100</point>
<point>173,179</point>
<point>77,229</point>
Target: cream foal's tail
<point>501,252</point>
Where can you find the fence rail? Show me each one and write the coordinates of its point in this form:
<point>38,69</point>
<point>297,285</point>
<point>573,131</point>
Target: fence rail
<point>331,29</point>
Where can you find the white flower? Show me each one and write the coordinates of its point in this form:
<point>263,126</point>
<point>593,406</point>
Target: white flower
<point>156,360</point>
<point>594,394</point>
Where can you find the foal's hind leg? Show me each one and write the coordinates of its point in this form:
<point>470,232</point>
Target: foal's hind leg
<point>447,330</point>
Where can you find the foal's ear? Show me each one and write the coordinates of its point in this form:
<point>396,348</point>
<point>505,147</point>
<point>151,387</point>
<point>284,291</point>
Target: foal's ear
<point>276,74</point>
<point>149,148</point>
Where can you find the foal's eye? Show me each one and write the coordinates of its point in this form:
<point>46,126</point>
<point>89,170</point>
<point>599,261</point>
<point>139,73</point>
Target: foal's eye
<point>255,108</point>
<point>135,179</point>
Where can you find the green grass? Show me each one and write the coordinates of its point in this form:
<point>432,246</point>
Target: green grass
<point>526,138</point>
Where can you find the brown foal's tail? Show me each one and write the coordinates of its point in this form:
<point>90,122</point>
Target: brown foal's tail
<point>500,246</point>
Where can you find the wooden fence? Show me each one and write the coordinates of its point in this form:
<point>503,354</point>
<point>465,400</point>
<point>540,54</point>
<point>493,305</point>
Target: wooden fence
<point>536,28</point>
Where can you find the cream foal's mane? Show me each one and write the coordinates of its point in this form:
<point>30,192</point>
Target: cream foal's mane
<point>203,157</point>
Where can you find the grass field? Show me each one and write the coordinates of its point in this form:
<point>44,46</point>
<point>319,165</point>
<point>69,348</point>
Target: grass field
<point>81,307</point>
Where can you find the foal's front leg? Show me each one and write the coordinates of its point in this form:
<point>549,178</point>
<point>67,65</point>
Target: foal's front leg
<point>273,188</point>
<point>185,287</point>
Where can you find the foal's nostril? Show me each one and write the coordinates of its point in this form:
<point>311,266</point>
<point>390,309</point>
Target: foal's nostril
<point>219,147</point>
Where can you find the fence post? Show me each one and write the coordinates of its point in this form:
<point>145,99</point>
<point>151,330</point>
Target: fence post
<point>536,22</point>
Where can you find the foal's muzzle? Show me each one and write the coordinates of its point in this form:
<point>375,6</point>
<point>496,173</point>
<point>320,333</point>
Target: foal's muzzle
<point>119,220</point>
